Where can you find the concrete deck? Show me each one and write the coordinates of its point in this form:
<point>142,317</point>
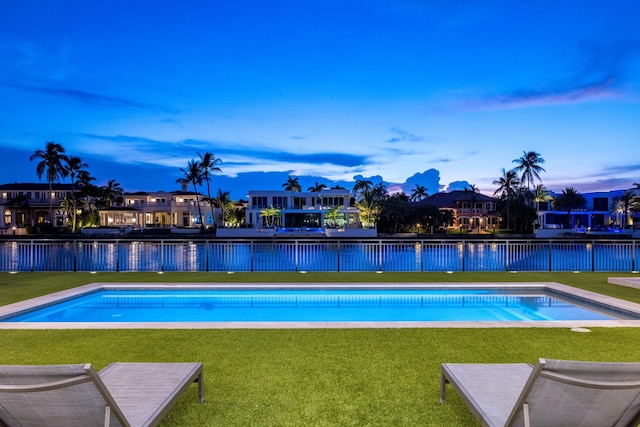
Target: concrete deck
<point>557,287</point>
<point>631,282</point>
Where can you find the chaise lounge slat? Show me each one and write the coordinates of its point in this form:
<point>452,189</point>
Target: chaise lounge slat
<point>160,384</point>
<point>489,390</point>
<point>122,394</point>
<point>551,393</point>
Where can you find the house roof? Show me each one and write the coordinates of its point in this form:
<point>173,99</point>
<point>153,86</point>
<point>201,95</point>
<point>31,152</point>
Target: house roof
<point>119,209</point>
<point>450,200</point>
<point>162,193</point>
<point>38,186</point>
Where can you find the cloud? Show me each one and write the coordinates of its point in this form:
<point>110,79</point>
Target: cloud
<point>82,96</point>
<point>430,179</point>
<point>402,135</point>
<point>124,147</point>
<point>340,159</point>
<point>618,169</point>
<point>600,77</point>
<point>549,96</point>
<point>458,185</point>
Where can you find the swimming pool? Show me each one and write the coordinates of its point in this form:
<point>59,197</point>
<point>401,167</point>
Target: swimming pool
<point>319,304</point>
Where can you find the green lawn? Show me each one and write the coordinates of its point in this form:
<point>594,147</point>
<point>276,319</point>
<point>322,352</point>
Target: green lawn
<point>375,377</point>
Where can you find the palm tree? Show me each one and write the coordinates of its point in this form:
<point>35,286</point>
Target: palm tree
<point>208,164</point>
<point>507,189</point>
<point>317,188</point>
<point>627,206</point>
<point>292,184</point>
<point>332,214</point>
<point>418,193</point>
<point>270,214</point>
<point>193,175</point>
<point>52,160</point>
<point>223,202</point>
<point>361,186</point>
<point>111,192</point>
<point>369,208</point>
<point>67,206</point>
<point>541,194</point>
<point>88,192</point>
<point>74,166</point>
<point>529,165</point>
<point>569,200</point>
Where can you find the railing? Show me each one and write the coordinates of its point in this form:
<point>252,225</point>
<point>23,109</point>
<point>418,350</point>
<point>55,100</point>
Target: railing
<point>313,255</point>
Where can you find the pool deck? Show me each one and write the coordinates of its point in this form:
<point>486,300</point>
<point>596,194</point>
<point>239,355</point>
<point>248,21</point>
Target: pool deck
<point>630,282</point>
<point>572,324</point>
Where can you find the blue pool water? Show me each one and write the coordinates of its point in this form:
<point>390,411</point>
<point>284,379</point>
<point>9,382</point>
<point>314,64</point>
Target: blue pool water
<point>284,305</point>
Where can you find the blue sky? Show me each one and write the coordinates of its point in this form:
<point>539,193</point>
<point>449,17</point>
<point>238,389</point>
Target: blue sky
<point>430,92</point>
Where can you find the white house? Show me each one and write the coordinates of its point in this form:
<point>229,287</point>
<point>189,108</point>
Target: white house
<point>300,214</point>
<point>158,209</point>
<point>597,217</point>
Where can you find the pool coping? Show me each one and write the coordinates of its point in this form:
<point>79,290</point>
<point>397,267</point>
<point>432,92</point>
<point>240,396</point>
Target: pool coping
<point>577,293</point>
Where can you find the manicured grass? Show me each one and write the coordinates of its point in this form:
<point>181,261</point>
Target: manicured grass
<point>319,377</point>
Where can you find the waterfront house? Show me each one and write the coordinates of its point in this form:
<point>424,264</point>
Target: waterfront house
<point>598,217</point>
<point>158,209</point>
<point>300,214</point>
<point>472,211</point>
<point>27,204</point>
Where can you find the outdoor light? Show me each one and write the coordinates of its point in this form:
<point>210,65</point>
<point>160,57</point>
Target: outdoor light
<point>13,272</point>
<point>160,272</point>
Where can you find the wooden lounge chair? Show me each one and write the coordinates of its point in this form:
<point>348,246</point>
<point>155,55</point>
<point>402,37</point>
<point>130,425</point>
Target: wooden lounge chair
<point>552,393</point>
<point>122,394</point>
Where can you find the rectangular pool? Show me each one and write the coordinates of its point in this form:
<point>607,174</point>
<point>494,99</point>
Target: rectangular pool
<point>320,303</point>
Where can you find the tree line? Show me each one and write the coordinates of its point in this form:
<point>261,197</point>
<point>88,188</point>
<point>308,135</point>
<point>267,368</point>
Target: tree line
<point>518,194</point>
<point>82,206</point>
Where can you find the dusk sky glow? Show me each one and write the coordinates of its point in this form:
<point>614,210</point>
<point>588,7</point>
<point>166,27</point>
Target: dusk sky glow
<point>430,92</point>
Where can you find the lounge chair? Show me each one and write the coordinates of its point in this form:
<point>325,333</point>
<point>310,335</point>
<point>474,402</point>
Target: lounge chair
<point>122,394</point>
<point>552,393</point>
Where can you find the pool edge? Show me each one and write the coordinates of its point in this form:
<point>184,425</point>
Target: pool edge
<point>27,305</point>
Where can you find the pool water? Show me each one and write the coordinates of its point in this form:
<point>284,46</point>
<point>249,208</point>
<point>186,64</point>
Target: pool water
<point>295,305</point>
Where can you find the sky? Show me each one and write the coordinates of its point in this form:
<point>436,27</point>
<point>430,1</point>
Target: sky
<point>443,94</point>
